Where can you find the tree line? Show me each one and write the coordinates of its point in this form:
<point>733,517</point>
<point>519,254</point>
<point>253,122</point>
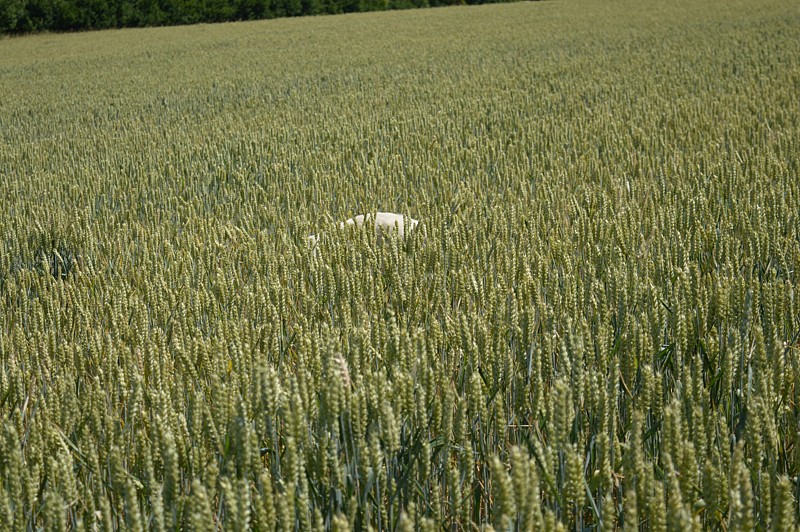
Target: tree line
<point>23,16</point>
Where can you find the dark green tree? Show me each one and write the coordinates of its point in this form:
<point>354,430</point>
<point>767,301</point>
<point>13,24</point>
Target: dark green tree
<point>96,14</point>
<point>127,13</point>
<point>313,7</point>
<point>10,13</point>
<point>21,16</point>
<point>218,10</point>
<point>373,5</point>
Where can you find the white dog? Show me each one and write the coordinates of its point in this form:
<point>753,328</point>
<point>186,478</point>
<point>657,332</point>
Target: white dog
<point>383,221</point>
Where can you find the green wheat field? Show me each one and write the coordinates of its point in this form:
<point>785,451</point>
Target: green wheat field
<point>595,326</point>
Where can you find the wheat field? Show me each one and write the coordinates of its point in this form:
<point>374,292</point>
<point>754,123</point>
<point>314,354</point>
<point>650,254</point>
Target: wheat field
<point>595,325</point>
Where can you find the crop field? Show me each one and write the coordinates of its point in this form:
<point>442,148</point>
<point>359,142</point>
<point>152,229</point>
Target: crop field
<point>595,325</point>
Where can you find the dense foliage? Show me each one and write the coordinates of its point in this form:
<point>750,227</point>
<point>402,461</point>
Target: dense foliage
<point>595,325</point>
<point>21,16</point>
